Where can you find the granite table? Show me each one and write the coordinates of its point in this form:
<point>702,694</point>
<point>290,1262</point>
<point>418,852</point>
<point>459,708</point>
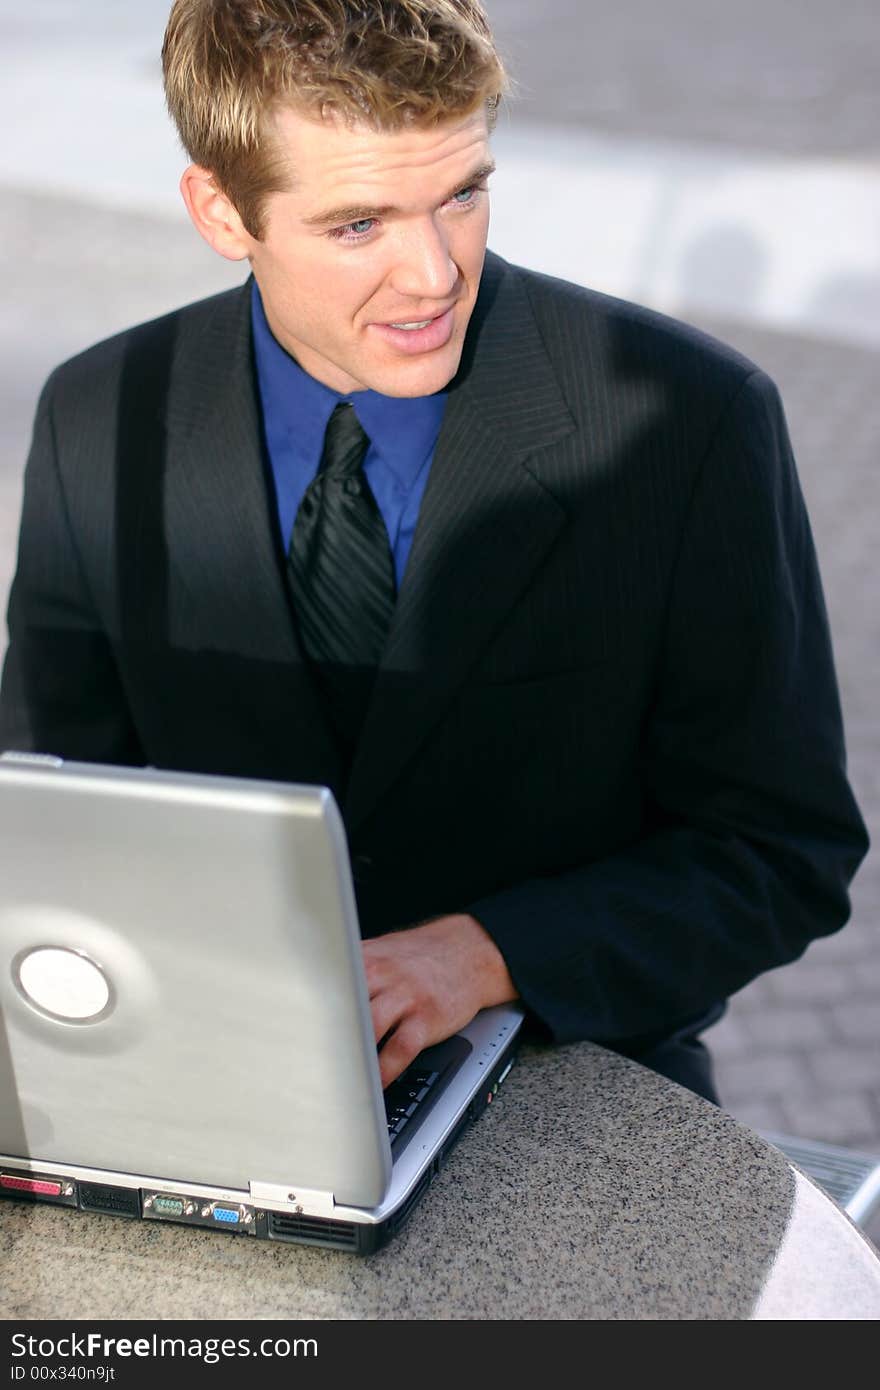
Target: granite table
<point>591,1189</point>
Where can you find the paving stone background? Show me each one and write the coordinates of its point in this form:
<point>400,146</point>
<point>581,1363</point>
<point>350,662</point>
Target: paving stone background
<point>769,75</point>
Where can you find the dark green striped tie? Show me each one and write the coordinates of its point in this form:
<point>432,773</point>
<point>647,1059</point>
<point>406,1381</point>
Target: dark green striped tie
<point>341,573</point>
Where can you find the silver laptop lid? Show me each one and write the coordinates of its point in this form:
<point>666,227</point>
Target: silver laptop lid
<point>180,982</point>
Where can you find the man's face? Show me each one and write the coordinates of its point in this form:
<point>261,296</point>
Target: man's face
<point>329,287</point>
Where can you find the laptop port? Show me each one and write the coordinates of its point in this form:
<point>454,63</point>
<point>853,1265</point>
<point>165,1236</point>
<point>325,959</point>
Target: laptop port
<point>226,1214</point>
<point>32,1187</point>
<point>109,1201</point>
<point>229,1216</point>
<point>163,1204</point>
<point>200,1211</point>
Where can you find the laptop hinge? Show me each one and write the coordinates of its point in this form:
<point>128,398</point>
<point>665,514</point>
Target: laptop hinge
<point>309,1201</point>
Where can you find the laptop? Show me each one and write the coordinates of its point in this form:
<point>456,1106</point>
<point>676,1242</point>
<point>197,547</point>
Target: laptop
<point>185,1030</point>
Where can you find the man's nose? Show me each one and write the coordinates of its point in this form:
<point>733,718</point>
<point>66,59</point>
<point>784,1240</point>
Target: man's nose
<point>424,268</point>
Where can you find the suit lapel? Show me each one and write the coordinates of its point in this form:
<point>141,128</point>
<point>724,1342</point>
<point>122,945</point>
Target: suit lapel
<point>226,584</point>
<point>484,526</point>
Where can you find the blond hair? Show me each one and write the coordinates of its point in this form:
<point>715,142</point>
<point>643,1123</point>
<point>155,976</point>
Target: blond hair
<point>229,65</point>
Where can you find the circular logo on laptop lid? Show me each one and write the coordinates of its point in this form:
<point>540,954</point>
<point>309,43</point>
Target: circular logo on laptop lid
<point>63,984</point>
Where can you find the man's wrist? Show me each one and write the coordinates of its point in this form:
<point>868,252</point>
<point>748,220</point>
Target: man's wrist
<point>493,979</point>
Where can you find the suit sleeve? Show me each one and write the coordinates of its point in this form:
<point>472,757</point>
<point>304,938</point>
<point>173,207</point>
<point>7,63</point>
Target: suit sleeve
<point>60,690</point>
<point>752,834</point>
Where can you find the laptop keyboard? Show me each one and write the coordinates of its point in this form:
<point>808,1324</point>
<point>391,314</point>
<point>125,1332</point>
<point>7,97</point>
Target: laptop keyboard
<point>409,1098</point>
<point>405,1096</point>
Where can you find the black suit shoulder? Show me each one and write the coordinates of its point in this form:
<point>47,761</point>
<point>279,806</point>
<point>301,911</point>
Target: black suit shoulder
<point>83,386</point>
<point>631,349</point>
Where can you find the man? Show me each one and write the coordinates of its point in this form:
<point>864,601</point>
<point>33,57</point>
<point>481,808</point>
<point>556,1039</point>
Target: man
<point>547,618</point>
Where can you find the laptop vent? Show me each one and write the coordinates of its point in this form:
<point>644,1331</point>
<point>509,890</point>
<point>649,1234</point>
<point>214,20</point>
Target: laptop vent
<point>113,1201</point>
<point>342,1235</point>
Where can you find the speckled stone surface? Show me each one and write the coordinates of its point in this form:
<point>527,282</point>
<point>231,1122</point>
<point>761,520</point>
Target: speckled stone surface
<point>591,1189</point>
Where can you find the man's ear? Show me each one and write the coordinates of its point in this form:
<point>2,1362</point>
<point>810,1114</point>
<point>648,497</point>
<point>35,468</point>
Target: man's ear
<point>213,215</point>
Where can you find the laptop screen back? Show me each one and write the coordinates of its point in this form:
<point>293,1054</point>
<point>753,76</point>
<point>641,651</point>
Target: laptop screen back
<point>180,984</point>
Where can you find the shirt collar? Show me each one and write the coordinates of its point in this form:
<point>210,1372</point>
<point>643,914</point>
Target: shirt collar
<point>402,430</point>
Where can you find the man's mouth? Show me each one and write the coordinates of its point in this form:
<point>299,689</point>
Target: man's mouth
<point>418,335</point>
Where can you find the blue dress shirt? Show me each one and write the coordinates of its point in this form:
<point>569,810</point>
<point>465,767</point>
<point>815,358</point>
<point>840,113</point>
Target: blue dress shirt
<point>296,408</point>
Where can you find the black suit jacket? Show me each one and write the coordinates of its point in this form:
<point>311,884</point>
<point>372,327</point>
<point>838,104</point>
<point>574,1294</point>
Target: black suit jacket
<point>606,721</point>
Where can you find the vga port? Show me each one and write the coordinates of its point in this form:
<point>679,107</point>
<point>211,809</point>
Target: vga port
<point>230,1215</point>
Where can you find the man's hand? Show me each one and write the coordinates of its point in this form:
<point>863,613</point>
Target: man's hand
<point>426,982</point>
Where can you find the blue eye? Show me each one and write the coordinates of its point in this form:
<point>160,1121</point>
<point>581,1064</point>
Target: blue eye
<point>352,231</point>
<point>352,235</point>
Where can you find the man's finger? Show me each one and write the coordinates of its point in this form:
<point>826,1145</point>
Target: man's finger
<point>388,1009</point>
<point>380,965</point>
<point>403,1046</point>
